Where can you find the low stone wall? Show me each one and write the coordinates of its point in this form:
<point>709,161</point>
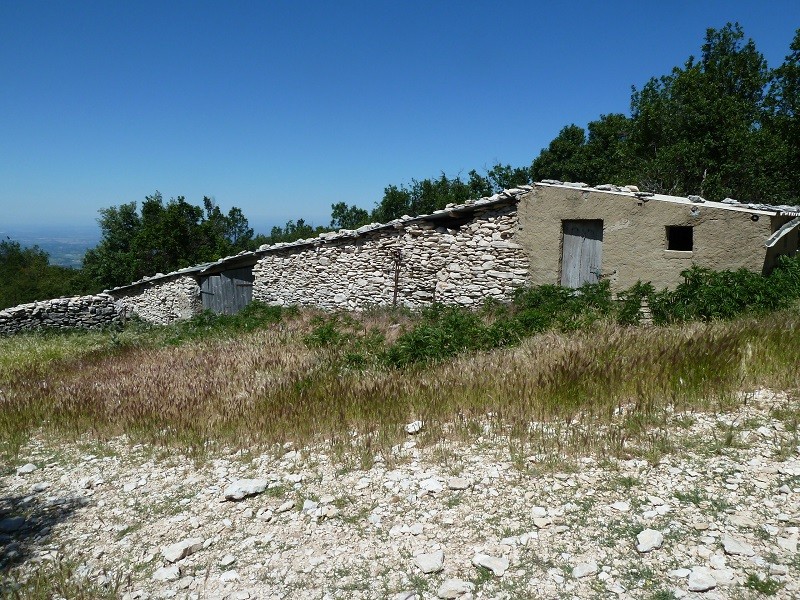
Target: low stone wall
<point>84,312</point>
<point>424,261</point>
<point>162,302</point>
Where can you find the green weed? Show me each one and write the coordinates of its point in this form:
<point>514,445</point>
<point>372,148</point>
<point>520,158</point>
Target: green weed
<point>767,587</point>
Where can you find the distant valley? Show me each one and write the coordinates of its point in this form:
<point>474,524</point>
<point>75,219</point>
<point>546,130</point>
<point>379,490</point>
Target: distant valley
<point>65,244</point>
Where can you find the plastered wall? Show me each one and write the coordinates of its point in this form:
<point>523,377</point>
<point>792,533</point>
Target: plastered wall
<point>634,246</point>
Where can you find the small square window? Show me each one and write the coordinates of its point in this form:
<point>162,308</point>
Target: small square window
<point>680,237</point>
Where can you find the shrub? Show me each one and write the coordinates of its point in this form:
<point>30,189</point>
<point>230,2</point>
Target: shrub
<point>707,295</point>
<point>443,332</point>
<point>629,302</point>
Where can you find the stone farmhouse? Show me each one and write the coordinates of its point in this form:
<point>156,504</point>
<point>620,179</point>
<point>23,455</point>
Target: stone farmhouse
<point>548,233</point>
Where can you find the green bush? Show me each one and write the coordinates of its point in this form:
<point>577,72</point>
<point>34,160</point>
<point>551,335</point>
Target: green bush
<point>253,316</point>
<point>708,295</point>
<point>550,306</point>
<point>629,302</point>
<point>445,331</point>
<point>326,332</point>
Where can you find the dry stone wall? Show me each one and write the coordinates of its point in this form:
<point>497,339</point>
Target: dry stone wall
<point>162,302</point>
<point>84,312</point>
<point>459,255</point>
<point>423,260</point>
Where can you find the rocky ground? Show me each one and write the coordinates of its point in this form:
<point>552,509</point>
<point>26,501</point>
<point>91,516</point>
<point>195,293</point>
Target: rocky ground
<point>718,518</point>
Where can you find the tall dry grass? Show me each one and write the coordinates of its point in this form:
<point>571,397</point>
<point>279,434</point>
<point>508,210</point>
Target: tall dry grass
<point>606,389</point>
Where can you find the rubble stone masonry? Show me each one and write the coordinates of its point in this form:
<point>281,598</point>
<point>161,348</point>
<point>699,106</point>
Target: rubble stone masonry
<point>422,261</point>
<point>162,302</point>
<point>84,312</point>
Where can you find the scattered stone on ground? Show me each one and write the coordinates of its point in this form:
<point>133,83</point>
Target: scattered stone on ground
<point>701,522</point>
<point>496,565</point>
<point>179,550</point>
<point>649,540</point>
<point>431,562</point>
<point>242,488</point>
<point>414,427</point>
<point>26,469</point>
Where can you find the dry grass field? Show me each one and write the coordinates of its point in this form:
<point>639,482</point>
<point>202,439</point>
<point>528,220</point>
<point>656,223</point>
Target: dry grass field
<point>604,389</point>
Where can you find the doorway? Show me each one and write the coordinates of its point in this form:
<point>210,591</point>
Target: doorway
<point>581,252</point>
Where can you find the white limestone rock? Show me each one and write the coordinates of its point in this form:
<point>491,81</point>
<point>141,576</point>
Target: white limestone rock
<point>458,483</point>
<point>229,576</point>
<point>11,524</point>
<point>585,569</point>
<point>734,546</point>
<point>26,469</point>
<point>180,550</point>
<point>648,540</point>
<point>242,488</point>
<point>453,588</point>
<point>724,576</point>
<point>538,512</point>
<point>497,565</point>
<point>171,573</point>
<point>432,485</point>
<point>414,427</point>
<point>701,579</point>
<point>431,562</point>
<point>227,560</point>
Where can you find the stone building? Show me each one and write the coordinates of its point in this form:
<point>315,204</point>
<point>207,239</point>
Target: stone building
<point>573,234</point>
<point>548,233</point>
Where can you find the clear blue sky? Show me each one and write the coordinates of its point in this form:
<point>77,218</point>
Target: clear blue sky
<point>282,108</point>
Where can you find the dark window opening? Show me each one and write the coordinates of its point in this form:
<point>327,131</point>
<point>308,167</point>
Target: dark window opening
<point>453,221</point>
<point>680,237</point>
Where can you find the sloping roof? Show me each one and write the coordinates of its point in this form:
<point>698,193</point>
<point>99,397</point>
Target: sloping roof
<point>633,191</point>
<point>249,258</point>
<point>454,210</point>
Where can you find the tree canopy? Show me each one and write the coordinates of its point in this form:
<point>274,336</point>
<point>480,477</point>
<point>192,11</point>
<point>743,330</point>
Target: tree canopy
<point>163,237</point>
<point>723,125</point>
<point>26,275</point>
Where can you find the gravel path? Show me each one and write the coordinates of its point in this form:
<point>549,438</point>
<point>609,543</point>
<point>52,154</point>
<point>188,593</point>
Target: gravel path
<point>716,518</point>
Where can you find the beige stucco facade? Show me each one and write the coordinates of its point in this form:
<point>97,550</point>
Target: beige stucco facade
<point>634,235</point>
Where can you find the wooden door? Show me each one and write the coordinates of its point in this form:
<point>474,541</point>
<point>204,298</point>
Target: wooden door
<point>228,292</point>
<point>581,252</point>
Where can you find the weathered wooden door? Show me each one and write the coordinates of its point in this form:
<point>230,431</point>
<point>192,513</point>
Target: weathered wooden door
<point>581,252</point>
<point>228,292</point>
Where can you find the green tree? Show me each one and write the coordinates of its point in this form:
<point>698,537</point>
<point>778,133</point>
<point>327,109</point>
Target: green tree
<point>696,131</point>
<point>719,126</point>
<point>26,275</point>
<point>479,186</point>
<point>291,232</point>
<point>348,217</point>
<point>163,238</point>
<point>226,234</point>
<point>395,203</point>
<point>565,158</point>
<point>782,124</point>
<point>114,261</point>
<point>503,177</point>
<point>608,152</point>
